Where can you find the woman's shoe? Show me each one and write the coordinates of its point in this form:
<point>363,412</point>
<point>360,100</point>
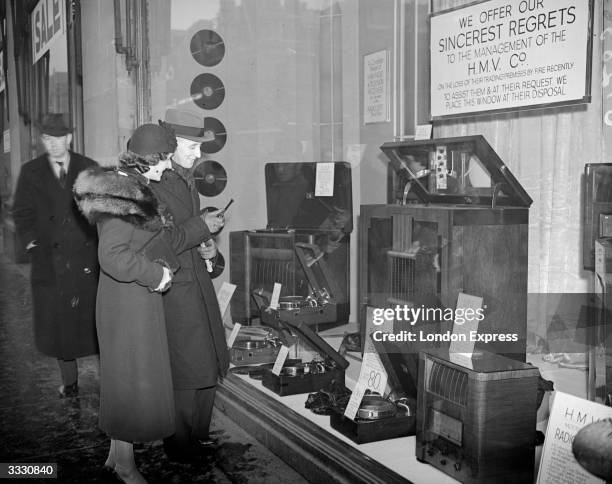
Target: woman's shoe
<point>129,476</point>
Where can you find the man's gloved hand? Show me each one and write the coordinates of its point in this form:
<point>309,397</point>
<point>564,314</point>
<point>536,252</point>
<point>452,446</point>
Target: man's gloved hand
<point>208,249</point>
<point>214,221</point>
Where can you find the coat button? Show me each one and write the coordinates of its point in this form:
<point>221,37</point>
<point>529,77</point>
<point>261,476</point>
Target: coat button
<point>56,245</point>
<point>52,217</point>
<point>87,270</point>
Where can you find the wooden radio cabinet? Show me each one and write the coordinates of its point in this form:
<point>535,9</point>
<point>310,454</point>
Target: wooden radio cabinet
<point>468,234</point>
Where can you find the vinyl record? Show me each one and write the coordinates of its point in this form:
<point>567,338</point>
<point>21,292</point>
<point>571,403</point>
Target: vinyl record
<point>210,178</point>
<point>218,267</point>
<point>207,91</point>
<point>207,48</point>
<point>215,127</point>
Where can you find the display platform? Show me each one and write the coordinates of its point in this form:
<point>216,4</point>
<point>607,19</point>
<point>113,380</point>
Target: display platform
<point>307,442</point>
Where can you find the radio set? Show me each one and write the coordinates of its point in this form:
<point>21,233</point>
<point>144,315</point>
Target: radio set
<point>305,377</point>
<point>476,417</point>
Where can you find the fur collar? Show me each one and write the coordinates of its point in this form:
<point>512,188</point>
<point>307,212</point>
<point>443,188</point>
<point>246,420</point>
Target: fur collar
<point>109,193</point>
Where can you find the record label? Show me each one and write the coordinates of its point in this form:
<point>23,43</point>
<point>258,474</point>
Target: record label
<point>207,48</point>
<point>213,128</point>
<point>207,91</point>
<point>210,178</point>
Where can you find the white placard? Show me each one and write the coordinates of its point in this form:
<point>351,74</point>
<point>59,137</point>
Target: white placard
<point>224,295</point>
<point>466,320</point>
<point>373,374</point>
<point>507,54</point>
<point>6,140</point>
<point>423,131</point>
<point>275,295</point>
<point>376,87</point>
<point>355,401</point>
<point>233,335</point>
<point>568,415</point>
<point>280,360</point>
<point>2,80</point>
<point>324,182</point>
<point>48,25</point>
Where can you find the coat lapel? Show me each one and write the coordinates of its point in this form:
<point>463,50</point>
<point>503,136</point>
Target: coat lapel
<point>172,193</point>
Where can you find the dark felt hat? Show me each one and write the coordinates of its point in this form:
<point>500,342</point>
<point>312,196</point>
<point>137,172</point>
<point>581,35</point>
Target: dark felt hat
<point>55,124</point>
<point>151,138</point>
<point>187,124</point>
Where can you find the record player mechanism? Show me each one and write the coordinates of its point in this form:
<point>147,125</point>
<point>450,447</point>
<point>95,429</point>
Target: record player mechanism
<point>304,377</point>
<point>319,306</point>
<point>255,346</point>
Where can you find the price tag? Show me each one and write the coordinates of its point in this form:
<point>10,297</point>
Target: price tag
<point>280,360</point>
<point>233,334</point>
<point>373,374</point>
<point>226,291</point>
<point>275,295</point>
<point>355,401</point>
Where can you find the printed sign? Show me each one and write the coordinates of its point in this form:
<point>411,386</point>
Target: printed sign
<point>508,54</point>
<point>567,416</point>
<point>375,88</point>
<point>324,180</point>
<point>48,25</point>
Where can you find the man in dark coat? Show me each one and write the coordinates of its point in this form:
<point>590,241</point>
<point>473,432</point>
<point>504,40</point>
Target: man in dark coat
<point>196,337</point>
<point>63,250</point>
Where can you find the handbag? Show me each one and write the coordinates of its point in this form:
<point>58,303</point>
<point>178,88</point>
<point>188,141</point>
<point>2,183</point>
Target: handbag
<point>159,249</point>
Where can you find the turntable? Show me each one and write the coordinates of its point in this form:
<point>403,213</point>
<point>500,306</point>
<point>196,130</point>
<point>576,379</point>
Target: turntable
<point>380,418</point>
<point>305,377</point>
<point>255,346</point>
<point>319,306</point>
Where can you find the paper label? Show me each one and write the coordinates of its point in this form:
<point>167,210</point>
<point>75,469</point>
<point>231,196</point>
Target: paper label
<point>226,291</point>
<point>423,131</point>
<point>568,415</point>
<point>466,320</point>
<point>355,401</point>
<point>324,184</point>
<point>233,334</point>
<point>280,360</point>
<point>275,295</point>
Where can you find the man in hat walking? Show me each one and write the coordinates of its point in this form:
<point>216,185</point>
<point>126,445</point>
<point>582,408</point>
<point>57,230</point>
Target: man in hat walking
<point>196,338</point>
<point>63,251</point>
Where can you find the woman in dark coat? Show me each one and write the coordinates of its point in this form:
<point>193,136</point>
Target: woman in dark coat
<point>136,399</point>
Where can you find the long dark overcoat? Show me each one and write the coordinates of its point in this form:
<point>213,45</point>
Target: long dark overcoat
<point>136,398</point>
<point>64,261</point>
<point>196,338</point>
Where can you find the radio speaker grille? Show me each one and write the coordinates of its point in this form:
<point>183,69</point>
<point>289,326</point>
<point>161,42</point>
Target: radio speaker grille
<point>448,383</point>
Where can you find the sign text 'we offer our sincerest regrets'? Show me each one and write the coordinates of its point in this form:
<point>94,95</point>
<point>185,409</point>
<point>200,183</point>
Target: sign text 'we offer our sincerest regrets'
<point>508,54</point>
